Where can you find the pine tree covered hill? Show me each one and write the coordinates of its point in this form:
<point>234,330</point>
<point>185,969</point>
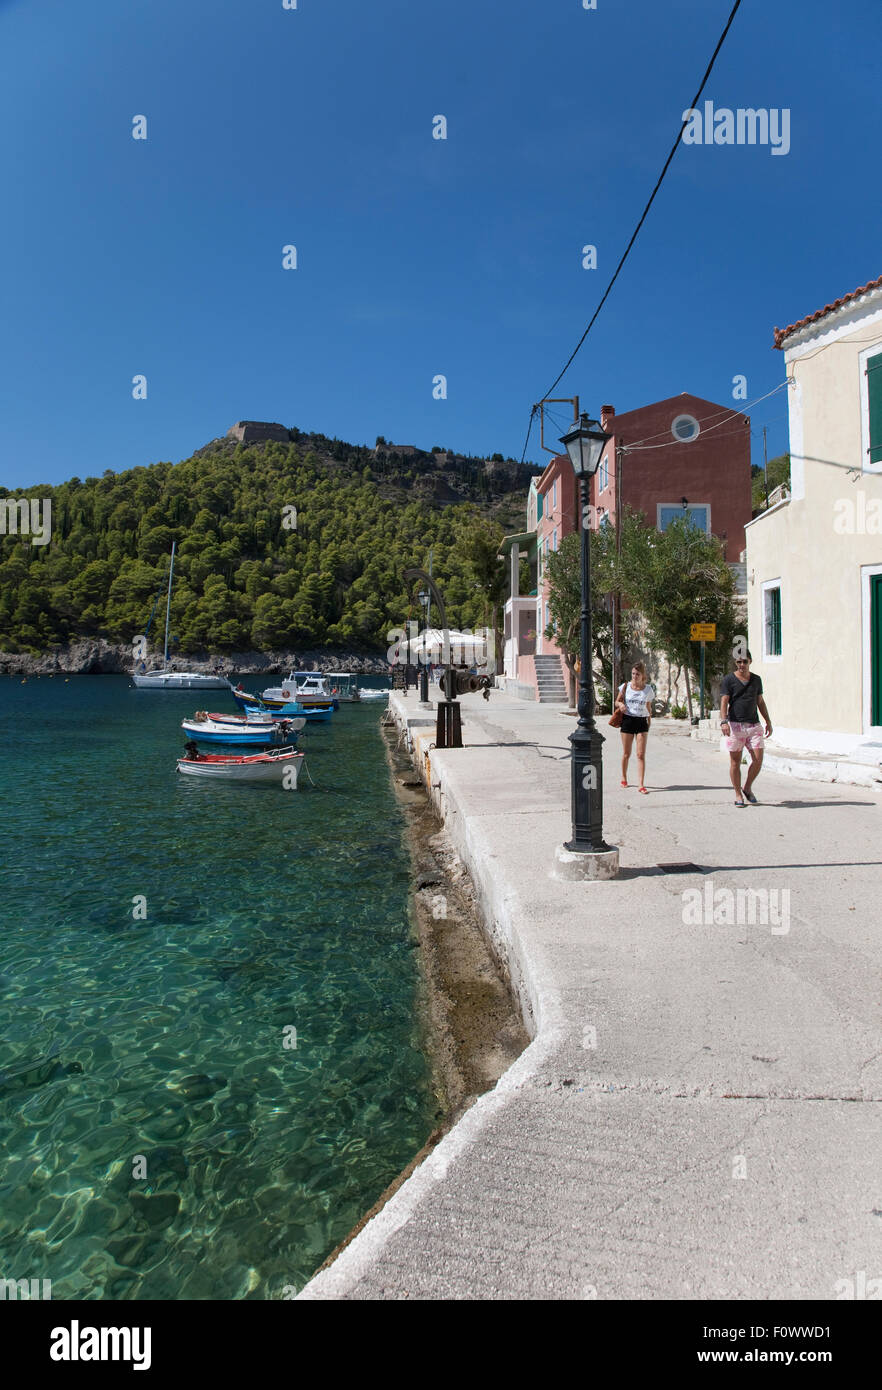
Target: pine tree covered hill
<point>242,580</point>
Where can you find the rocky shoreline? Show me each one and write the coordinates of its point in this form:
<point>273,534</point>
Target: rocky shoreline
<point>97,657</point>
<point>472,1025</point>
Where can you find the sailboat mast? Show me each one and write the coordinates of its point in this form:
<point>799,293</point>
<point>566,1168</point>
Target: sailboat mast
<point>171,570</point>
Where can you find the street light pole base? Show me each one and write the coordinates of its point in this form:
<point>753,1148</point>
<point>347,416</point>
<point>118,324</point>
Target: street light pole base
<point>589,865</point>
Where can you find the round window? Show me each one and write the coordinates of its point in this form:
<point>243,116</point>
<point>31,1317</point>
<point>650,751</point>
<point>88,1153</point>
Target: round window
<point>685,428</point>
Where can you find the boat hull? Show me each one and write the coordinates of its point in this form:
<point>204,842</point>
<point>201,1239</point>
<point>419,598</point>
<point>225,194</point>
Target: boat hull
<point>291,710</point>
<point>179,680</point>
<point>255,736</point>
<point>281,768</point>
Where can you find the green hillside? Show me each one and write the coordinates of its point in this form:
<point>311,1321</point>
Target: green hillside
<point>242,580</point>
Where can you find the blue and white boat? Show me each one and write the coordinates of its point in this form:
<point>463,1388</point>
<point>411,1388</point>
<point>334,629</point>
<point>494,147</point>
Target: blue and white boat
<point>248,734</point>
<point>309,688</point>
<point>290,709</point>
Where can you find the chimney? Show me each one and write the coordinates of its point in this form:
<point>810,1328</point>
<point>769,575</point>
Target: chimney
<point>607,415</point>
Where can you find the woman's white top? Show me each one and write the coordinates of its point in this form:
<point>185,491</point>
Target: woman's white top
<point>637,700</point>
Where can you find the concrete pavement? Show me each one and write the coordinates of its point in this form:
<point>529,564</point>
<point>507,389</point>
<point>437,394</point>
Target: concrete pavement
<point>698,1115</point>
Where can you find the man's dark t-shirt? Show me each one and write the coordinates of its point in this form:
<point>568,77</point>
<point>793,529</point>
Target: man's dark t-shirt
<point>742,697</point>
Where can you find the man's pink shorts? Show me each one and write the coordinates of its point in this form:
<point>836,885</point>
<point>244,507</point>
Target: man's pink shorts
<point>745,736</point>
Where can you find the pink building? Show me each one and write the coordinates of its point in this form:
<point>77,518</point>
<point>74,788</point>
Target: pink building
<point>533,665</point>
<point>680,456</point>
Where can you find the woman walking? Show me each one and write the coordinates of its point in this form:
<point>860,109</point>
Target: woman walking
<point>635,701</point>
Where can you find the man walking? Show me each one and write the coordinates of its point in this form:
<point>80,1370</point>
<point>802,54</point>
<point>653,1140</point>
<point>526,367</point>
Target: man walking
<point>742,695</point>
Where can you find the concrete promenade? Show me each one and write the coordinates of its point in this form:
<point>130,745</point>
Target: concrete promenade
<point>698,1114</point>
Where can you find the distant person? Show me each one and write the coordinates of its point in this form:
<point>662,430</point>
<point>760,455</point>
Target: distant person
<point>741,696</point>
<point>634,699</point>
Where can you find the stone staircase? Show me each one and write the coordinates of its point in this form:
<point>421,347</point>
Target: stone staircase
<point>550,680</point>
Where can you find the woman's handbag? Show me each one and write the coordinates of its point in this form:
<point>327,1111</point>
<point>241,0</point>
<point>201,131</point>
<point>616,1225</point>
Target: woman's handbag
<point>617,714</point>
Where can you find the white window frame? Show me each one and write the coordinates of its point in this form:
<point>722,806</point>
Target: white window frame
<point>863,359</point>
<point>685,415</point>
<point>554,497</point>
<point>875,730</point>
<point>767,585</point>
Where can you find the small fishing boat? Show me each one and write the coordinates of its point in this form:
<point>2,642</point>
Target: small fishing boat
<point>344,686</point>
<point>174,680</point>
<point>247,720</point>
<point>249,733</point>
<point>285,710</point>
<point>307,688</point>
<point>255,767</point>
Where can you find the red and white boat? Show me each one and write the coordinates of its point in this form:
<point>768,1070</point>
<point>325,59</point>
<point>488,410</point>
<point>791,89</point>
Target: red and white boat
<point>280,765</point>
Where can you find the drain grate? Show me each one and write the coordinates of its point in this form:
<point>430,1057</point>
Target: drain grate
<point>680,868</point>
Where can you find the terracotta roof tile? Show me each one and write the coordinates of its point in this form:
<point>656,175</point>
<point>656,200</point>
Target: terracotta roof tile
<point>782,333</point>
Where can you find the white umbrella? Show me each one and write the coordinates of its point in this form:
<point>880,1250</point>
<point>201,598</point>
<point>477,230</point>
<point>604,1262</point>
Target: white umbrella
<point>468,647</point>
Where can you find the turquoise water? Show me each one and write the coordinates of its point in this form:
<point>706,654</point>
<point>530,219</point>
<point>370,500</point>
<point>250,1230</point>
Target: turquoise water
<point>164,1038</point>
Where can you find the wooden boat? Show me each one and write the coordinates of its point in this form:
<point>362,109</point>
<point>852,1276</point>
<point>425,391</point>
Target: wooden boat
<point>285,710</point>
<point>247,733</point>
<point>280,766</point>
<point>248,720</point>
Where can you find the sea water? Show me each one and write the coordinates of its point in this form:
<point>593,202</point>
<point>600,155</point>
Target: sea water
<point>211,1035</point>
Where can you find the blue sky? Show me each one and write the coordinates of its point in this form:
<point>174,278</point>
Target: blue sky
<point>416,256</point>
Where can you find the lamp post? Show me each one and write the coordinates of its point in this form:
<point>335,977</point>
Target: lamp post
<point>586,854</point>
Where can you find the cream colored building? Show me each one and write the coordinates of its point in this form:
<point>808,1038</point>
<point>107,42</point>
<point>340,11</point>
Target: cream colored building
<point>814,559</point>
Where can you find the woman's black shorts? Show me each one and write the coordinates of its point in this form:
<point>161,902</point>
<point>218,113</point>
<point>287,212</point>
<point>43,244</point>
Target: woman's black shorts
<point>632,724</point>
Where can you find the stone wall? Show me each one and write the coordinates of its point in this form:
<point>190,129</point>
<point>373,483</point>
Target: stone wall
<point>249,431</point>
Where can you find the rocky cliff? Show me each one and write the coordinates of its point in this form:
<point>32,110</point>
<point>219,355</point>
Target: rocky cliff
<point>96,657</point>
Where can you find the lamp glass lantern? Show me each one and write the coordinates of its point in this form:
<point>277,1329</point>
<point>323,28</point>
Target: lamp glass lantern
<point>585,444</point>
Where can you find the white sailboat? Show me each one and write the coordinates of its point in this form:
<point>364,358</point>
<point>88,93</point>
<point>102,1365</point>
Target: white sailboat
<point>176,680</point>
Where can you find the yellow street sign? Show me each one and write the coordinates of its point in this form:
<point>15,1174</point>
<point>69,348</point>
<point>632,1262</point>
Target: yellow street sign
<point>703,632</point>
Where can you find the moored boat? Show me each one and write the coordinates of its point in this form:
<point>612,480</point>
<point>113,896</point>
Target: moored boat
<point>344,686</point>
<point>308,688</point>
<point>281,765</point>
<point>249,733</point>
<point>175,680</point>
<point>178,680</point>
<point>248,720</point>
<point>285,710</point>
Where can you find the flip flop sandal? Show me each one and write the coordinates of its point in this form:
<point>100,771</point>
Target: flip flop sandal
<point>742,804</point>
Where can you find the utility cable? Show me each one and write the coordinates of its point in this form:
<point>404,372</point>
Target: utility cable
<point>692,106</point>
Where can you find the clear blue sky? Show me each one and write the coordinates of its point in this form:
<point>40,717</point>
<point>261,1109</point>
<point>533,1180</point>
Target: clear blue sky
<point>313,127</point>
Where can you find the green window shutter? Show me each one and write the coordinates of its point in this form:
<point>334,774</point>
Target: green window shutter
<point>776,622</point>
<point>874,395</point>
<point>773,622</point>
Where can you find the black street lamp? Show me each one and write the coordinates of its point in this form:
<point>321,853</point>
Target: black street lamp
<point>585,444</point>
